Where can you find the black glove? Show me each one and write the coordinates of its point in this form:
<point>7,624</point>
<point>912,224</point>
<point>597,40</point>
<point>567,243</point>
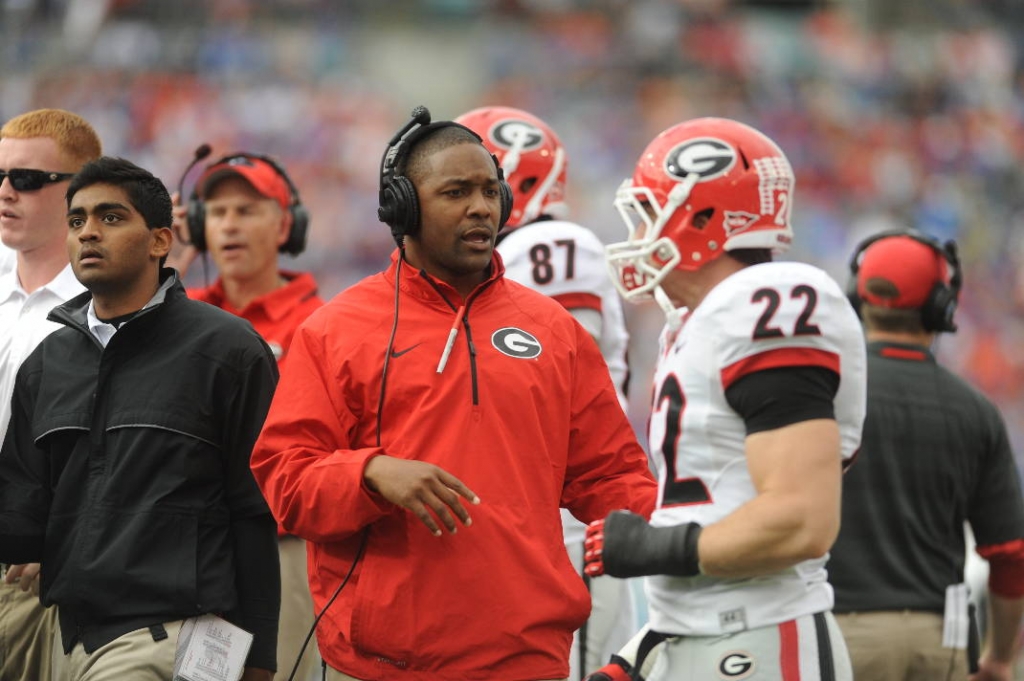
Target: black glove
<point>625,545</point>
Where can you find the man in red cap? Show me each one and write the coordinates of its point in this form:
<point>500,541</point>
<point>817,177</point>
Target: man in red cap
<point>244,211</point>
<point>934,455</point>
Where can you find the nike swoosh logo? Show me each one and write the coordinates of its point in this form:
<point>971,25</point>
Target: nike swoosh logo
<point>399,353</point>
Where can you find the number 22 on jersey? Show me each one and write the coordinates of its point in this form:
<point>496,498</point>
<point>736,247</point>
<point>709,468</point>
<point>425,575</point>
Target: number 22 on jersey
<point>777,317</point>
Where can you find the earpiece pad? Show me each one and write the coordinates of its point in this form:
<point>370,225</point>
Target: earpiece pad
<point>296,242</point>
<point>195,219</point>
<point>399,206</point>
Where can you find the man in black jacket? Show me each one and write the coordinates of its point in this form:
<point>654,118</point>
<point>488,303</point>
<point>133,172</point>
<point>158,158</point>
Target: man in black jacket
<point>125,470</point>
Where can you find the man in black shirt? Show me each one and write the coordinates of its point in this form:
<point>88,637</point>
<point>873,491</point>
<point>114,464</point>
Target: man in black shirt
<point>934,454</point>
<point>125,469</point>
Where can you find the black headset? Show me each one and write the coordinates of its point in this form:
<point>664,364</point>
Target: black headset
<point>399,206</point>
<point>939,307</point>
<point>296,241</point>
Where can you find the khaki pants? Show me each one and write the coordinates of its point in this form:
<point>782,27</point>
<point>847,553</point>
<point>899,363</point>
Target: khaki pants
<point>134,656</point>
<point>26,635</point>
<point>335,675</point>
<point>900,646</point>
<point>296,614</point>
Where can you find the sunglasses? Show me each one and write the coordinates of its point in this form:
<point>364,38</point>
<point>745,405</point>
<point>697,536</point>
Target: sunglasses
<point>26,180</point>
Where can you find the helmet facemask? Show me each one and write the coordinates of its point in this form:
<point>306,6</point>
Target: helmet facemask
<point>639,265</point>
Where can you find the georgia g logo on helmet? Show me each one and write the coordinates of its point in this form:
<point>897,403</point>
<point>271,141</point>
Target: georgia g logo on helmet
<point>706,156</point>
<point>511,133</point>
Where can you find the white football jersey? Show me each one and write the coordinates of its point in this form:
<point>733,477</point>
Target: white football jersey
<point>764,316</point>
<point>565,261</point>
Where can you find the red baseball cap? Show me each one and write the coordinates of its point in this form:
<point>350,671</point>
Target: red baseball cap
<point>261,175</point>
<point>910,265</point>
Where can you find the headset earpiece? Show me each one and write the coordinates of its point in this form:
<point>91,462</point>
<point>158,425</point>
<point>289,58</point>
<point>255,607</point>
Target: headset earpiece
<point>296,242</point>
<point>399,207</point>
<point>398,204</point>
<point>852,295</point>
<point>939,307</point>
<point>505,189</point>
<point>297,234</point>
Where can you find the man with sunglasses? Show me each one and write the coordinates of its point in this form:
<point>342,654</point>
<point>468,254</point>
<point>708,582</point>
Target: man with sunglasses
<point>39,152</point>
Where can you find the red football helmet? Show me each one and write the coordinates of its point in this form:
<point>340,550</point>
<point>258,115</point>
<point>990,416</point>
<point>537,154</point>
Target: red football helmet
<point>700,188</point>
<point>531,155</point>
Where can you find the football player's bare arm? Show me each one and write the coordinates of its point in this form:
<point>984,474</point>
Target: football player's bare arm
<point>421,488</point>
<point>797,473</point>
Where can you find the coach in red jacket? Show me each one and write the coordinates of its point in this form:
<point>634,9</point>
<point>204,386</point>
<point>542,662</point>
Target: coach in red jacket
<point>431,423</point>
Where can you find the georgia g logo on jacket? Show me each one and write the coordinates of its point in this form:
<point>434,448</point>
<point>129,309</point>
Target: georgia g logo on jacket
<point>516,343</point>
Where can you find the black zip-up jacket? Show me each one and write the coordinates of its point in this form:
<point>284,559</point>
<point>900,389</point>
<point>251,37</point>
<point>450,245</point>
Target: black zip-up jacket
<point>125,472</point>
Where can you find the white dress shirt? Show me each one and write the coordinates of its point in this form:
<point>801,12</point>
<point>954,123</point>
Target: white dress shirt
<point>8,259</point>
<point>23,325</point>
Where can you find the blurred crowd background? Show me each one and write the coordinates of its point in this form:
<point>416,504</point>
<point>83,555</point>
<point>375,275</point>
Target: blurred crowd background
<point>894,114</point>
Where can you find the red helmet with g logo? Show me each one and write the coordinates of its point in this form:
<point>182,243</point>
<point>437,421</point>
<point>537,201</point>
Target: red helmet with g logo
<point>531,155</point>
<point>701,188</point>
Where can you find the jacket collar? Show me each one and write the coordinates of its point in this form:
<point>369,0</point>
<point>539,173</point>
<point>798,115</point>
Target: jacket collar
<point>419,284</point>
<point>75,312</point>
<point>904,351</point>
<point>277,303</point>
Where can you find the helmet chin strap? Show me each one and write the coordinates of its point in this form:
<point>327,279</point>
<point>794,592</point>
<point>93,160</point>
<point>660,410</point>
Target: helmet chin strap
<point>673,314</point>
<point>676,197</point>
<point>680,192</point>
<point>532,209</point>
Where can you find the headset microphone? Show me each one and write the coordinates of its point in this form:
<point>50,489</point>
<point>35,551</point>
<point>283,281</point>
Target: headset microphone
<point>419,116</point>
<point>202,151</point>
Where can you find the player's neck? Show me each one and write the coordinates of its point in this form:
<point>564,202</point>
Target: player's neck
<point>111,301</point>
<point>707,278</point>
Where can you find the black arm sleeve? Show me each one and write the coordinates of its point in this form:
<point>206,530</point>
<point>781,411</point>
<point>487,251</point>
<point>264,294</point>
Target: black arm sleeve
<point>254,532</point>
<point>24,482</point>
<point>773,398</point>
<point>258,582</point>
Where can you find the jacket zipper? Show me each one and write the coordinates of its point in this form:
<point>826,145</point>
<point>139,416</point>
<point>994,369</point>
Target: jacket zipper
<point>465,324</point>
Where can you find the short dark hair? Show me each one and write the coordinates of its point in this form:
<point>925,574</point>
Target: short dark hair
<point>431,142</point>
<point>147,194</point>
<point>890,319</point>
<point>752,256</point>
